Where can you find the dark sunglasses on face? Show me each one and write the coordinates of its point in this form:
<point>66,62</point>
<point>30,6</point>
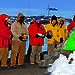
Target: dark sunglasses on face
<point>22,17</point>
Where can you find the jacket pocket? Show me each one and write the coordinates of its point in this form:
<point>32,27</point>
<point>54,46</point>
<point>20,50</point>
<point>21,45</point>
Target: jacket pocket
<point>2,42</point>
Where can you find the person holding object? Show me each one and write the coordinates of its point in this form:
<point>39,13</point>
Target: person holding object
<point>20,34</point>
<point>50,33</point>
<point>36,35</point>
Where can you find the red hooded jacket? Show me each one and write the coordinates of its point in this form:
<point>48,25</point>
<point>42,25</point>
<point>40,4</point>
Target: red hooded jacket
<point>33,30</point>
<point>71,25</point>
<point>4,32</point>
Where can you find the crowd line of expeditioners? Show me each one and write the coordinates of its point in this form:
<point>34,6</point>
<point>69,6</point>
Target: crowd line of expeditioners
<point>56,33</point>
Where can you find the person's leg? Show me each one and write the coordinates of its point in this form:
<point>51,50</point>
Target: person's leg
<point>4,57</point>
<point>1,53</point>
<point>38,51</point>
<point>49,49</point>
<point>22,51</point>
<point>15,47</point>
<point>33,54</point>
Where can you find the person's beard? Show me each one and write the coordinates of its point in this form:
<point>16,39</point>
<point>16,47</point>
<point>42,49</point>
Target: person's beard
<point>38,24</point>
<point>61,25</point>
<point>20,21</point>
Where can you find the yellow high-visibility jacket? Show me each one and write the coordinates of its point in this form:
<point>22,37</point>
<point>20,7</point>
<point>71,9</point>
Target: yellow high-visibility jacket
<point>49,27</point>
<point>57,33</point>
<point>60,33</point>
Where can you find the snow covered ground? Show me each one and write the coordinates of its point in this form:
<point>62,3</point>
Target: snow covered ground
<point>61,66</point>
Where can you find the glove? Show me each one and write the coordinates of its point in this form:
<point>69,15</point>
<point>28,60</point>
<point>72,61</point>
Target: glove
<point>20,37</point>
<point>61,40</point>
<point>37,36</point>
<point>49,36</point>
<point>55,45</point>
<point>43,36</point>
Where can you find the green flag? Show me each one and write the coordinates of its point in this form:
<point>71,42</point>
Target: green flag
<point>70,43</point>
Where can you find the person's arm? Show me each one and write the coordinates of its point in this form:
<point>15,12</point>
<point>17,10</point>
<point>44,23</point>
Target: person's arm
<point>46,28</point>
<point>69,27</point>
<point>13,30</point>
<point>26,29</point>
<point>31,31</point>
<point>4,33</point>
<point>66,33</point>
<point>44,31</point>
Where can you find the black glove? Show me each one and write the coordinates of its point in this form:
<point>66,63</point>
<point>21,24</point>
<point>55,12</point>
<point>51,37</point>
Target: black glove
<point>49,36</point>
<point>61,40</point>
<point>20,37</point>
<point>37,36</point>
<point>55,45</point>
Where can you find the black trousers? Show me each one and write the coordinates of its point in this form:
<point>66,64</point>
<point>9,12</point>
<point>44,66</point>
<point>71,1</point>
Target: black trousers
<point>29,51</point>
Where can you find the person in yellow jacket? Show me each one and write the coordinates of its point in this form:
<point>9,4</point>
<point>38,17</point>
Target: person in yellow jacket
<point>50,31</point>
<point>61,31</point>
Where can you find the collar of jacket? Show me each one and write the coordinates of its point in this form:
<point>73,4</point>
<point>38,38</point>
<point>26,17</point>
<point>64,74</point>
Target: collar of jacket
<point>53,24</point>
<point>37,24</point>
<point>61,25</point>
<point>20,24</point>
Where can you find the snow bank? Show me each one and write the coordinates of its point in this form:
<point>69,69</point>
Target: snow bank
<point>61,66</point>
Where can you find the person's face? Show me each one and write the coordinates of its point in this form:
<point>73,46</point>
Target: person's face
<point>22,17</point>
<point>61,22</point>
<point>54,21</point>
<point>38,21</point>
<point>7,23</point>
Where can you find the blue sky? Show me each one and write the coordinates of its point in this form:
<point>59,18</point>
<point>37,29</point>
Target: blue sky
<point>43,4</point>
<point>66,8</point>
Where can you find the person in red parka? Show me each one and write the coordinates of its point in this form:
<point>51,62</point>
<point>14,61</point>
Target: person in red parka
<point>36,35</point>
<point>4,37</point>
<point>71,25</point>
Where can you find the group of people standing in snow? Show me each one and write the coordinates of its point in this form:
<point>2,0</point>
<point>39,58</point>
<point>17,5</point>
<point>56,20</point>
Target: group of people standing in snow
<point>56,33</point>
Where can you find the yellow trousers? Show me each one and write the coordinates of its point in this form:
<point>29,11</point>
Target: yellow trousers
<point>4,56</point>
<point>49,49</point>
<point>37,50</point>
<point>20,47</point>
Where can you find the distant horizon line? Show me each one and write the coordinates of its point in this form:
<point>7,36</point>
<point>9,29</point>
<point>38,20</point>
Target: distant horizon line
<point>34,8</point>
